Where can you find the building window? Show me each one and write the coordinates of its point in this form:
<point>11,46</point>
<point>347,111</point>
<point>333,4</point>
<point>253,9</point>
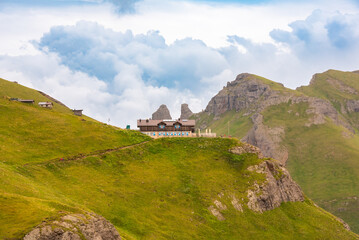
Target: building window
<point>177,126</point>
<point>161,126</point>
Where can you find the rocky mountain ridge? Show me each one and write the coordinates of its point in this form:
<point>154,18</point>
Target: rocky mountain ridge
<point>251,95</point>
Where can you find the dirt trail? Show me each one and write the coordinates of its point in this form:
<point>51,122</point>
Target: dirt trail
<point>81,156</point>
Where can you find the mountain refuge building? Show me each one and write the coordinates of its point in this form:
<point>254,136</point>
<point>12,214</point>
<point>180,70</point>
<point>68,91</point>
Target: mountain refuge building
<point>167,128</point>
<point>77,112</point>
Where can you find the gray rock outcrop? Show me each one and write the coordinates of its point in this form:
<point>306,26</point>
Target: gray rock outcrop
<point>279,187</point>
<point>353,105</point>
<point>75,227</point>
<point>161,113</point>
<point>186,113</point>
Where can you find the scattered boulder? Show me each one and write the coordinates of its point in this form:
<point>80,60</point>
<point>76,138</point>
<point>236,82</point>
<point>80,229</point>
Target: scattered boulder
<point>161,113</point>
<point>353,105</point>
<point>75,227</point>
<point>246,148</point>
<point>186,113</point>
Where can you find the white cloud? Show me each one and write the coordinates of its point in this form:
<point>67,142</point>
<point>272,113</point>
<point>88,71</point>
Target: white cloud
<point>78,90</point>
<point>123,67</point>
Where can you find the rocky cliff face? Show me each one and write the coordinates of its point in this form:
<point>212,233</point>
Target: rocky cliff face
<point>75,227</point>
<point>267,139</point>
<point>277,188</point>
<point>244,93</point>
<point>161,113</point>
<point>186,113</point>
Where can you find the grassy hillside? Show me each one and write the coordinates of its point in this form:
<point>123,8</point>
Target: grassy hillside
<point>158,190</point>
<point>333,90</point>
<point>53,163</point>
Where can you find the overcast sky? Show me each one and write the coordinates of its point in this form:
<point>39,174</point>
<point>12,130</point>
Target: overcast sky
<point>121,59</point>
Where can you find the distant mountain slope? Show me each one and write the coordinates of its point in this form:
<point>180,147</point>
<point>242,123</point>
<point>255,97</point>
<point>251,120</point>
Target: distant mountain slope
<point>341,89</point>
<point>312,130</point>
<point>54,164</point>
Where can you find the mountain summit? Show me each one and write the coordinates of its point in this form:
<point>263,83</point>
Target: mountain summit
<point>186,113</point>
<point>162,113</point>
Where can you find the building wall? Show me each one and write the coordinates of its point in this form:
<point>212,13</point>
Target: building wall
<point>206,134</point>
<point>166,129</point>
<point>159,134</point>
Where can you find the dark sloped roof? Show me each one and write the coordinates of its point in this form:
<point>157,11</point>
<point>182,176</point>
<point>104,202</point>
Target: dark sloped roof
<point>150,122</point>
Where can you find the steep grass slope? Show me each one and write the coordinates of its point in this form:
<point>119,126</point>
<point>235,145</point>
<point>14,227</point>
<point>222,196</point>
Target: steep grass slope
<point>53,163</point>
<point>158,190</point>
<point>322,156</point>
